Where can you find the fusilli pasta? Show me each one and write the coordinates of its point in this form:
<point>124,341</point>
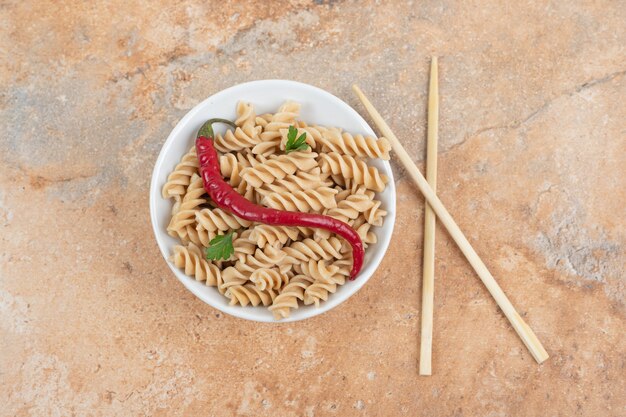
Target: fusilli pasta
<point>310,249</point>
<point>218,219</point>
<point>178,180</point>
<point>264,234</point>
<point>191,259</point>
<point>353,168</point>
<point>289,296</point>
<point>278,267</point>
<point>249,294</point>
<point>301,180</point>
<point>333,140</point>
<point>237,140</point>
<point>185,216</point>
<point>278,167</point>
<point>268,278</point>
<point>304,201</point>
<point>246,116</point>
<point>246,135</point>
<point>326,280</point>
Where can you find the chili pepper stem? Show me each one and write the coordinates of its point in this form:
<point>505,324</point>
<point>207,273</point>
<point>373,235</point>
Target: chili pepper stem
<point>207,128</point>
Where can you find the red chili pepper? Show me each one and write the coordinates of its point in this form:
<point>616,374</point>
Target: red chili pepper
<point>226,198</point>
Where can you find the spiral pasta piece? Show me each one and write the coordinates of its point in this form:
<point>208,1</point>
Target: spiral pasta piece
<point>232,164</point>
<point>245,116</point>
<point>190,258</point>
<point>268,257</point>
<point>362,227</point>
<point>333,140</point>
<point>310,249</point>
<point>266,148</point>
<point>218,219</point>
<point>351,168</point>
<point>243,244</point>
<point>350,207</point>
<point>301,180</point>
<point>250,294</point>
<point>237,140</point>
<point>341,194</point>
<point>289,296</point>
<point>178,181</point>
<point>264,234</point>
<point>355,188</point>
<point>194,233</point>
<point>340,180</point>
<point>245,135</point>
<point>271,133</point>
<point>230,167</point>
<point>269,278</point>
<point>344,265</point>
<point>199,236</point>
<point>244,269</point>
<point>248,191</point>
<point>304,201</point>
<point>326,280</point>
<point>375,215</point>
<point>263,119</point>
<point>176,206</point>
<point>189,206</point>
<point>318,291</point>
<point>287,112</point>
<point>318,270</point>
<point>279,167</point>
<point>233,276</point>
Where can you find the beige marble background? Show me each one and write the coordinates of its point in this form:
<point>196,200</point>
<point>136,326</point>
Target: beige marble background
<point>532,166</point>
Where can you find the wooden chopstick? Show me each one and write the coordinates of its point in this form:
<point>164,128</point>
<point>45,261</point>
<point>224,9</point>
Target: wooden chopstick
<point>428,271</point>
<point>525,333</point>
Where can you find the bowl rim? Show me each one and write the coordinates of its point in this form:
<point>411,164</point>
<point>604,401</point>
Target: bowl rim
<point>243,312</point>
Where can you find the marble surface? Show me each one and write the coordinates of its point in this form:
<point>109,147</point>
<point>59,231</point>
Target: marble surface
<point>533,150</point>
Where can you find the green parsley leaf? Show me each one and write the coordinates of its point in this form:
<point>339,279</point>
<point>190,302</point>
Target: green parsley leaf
<point>293,132</point>
<point>220,247</point>
<point>295,143</point>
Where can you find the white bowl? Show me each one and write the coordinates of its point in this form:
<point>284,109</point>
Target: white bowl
<point>319,107</point>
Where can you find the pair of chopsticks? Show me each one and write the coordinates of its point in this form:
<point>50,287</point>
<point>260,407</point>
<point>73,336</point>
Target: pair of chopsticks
<point>435,207</point>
